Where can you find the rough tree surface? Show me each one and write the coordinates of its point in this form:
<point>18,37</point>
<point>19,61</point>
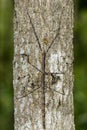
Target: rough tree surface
<point>43,65</point>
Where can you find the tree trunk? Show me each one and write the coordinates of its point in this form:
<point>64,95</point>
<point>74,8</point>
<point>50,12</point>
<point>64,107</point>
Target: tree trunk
<point>43,65</point>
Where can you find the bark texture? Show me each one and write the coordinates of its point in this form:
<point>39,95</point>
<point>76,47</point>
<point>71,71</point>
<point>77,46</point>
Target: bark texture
<point>43,26</point>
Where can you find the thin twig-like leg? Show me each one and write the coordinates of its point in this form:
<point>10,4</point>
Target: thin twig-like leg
<point>28,93</point>
<point>56,91</point>
<point>35,67</point>
<point>48,73</point>
<point>34,31</point>
<point>38,88</point>
<point>30,63</point>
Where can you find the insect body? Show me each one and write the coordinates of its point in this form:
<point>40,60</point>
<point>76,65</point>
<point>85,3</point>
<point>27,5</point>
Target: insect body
<point>43,87</point>
<point>42,71</point>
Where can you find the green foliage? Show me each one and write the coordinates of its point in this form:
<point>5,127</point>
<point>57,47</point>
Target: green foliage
<point>6,54</point>
<point>80,66</point>
<point>6,58</point>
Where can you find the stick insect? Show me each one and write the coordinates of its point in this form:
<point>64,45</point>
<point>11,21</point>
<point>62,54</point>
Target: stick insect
<point>43,65</point>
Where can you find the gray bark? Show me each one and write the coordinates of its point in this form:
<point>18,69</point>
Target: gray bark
<point>42,22</point>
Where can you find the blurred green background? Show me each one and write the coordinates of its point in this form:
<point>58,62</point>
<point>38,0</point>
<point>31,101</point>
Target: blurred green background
<point>6,57</point>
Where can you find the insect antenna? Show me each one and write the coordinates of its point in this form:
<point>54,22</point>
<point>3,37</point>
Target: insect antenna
<point>58,32</point>
<point>34,31</point>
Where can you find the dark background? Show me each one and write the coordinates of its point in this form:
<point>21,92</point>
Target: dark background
<point>6,58</point>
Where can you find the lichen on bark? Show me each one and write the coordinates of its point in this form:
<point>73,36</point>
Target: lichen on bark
<point>48,17</point>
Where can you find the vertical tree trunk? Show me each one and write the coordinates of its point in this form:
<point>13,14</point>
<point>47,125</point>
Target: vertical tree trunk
<point>43,65</point>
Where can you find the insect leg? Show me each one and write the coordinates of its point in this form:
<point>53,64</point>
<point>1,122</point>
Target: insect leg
<point>56,91</point>
<point>32,64</point>
<point>25,95</point>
